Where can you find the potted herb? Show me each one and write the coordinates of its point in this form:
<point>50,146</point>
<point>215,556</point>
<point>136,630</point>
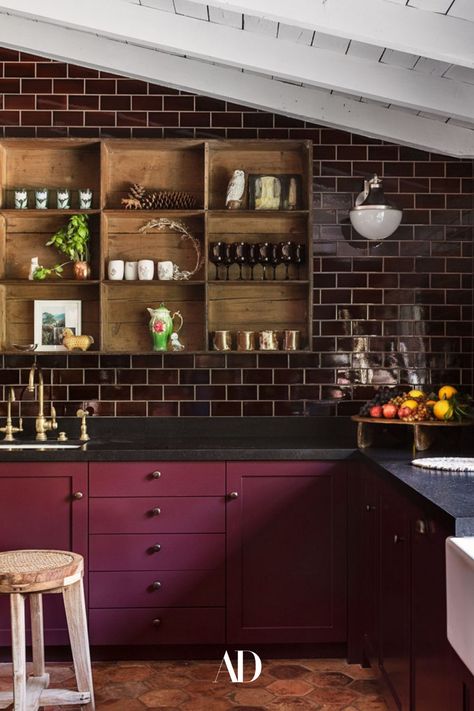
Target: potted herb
<point>73,241</point>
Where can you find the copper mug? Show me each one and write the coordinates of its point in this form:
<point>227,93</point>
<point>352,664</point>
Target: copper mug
<point>222,341</point>
<point>291,340</point>
<point>245,340</point>
<point>268,340</point>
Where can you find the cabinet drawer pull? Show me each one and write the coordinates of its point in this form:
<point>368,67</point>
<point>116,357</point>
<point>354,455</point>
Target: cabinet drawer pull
<point>156,511</point>
<point>156,548</point>
<point>420,526</point>
<point>156,622</point>
<point>156,475</point>
<point>156,585</point>
<point>369,507</point>
<point>398,539</point>
<point>78,495</point>
<point>234,495</point>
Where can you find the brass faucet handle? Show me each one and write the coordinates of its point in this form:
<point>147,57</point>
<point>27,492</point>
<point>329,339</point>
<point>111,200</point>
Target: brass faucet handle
<point>83,414</point>
<point>54,424</point>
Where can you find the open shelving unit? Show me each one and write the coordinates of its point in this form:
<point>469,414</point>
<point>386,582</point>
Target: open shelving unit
<point>114,312</point>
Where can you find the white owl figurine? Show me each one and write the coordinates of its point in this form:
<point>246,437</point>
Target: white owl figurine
<point>235,190</point>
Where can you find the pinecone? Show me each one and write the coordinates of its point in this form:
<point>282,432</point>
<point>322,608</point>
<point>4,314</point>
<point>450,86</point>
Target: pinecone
<point>138,198</point>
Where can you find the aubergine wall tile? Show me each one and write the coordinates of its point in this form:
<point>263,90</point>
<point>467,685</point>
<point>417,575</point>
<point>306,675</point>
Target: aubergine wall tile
<point>396,311</point>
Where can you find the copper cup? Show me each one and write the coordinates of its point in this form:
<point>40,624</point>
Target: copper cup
<point>291,340</point>
<point>268,340</point>
<point>222,341</point>
<point>245,340</point>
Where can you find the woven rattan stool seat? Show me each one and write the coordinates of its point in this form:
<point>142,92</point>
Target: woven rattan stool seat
<point>25,570</point>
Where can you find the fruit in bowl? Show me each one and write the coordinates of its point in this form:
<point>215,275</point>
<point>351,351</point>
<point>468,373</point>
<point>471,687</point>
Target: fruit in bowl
<point>417,406</point>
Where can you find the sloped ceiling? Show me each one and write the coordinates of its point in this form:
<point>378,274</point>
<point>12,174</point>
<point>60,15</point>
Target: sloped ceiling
<point>400,70</point>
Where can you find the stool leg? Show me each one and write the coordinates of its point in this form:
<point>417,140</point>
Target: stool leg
<point>17,607</point>
<point>75,607</point>
<point>37,633</point>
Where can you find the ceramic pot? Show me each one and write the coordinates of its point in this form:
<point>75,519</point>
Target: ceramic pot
<point>161,326</point>
<point>81,270</point>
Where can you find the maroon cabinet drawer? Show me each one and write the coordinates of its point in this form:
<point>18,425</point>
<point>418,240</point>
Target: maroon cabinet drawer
<point>157,478</point>
<point>177,588</point>
<point>178,551</point>
<point>176,626</point>
<point>198,514</point>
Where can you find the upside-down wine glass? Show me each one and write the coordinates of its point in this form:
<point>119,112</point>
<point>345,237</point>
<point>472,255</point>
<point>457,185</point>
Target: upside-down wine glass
<point>240,251</point>
<point>252,258</point>
<point>299,256</point>
<point>287,251</point>
<point>275,258</point>
<point>264,253</point>
<point>228,259</point>
<point>216,256</point>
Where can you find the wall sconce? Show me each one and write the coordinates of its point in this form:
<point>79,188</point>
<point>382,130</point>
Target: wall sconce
<point>373,216</point>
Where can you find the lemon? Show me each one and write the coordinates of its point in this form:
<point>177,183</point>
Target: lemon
<point>412,404</point>
<point>416,393</point>
<point>443,410</point>
<point>430,403</point>
<point>446,392</point>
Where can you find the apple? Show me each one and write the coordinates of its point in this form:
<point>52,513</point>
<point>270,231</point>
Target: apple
<point>404,412</point>
<point>389,411</point>
<point>376,411</point>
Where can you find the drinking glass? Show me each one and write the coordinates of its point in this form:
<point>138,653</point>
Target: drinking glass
<point>228,258</point>
<point>299,256</point>
<point>216,255</point>
<point>252,258</point>
<point>275,258</point>
<point>240,252</point>
<point>264,253</point>
<point>287,251</point>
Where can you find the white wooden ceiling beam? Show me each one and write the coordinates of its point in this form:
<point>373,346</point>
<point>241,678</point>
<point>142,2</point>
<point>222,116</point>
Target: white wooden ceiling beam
<point>256,53</point>
<point>316,106</point>
<point>402,28</point>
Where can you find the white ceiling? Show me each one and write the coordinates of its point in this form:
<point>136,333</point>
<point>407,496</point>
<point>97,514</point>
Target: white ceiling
<point>401,70</point>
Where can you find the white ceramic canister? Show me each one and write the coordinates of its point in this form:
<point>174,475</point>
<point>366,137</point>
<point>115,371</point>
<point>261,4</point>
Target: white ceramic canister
<point>115,269</point>
<point>85,198</point>
<point>165,270</point>
<point>146,269</point>
<point>131,271</point>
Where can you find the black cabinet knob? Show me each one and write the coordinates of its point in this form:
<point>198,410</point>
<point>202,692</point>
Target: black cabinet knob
<point>156,585</point>
<point>156,548</point>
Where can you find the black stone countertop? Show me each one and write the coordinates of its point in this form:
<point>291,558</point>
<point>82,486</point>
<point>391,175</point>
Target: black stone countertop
<point>280,438</point>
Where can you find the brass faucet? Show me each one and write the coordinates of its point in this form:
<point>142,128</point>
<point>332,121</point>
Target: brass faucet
<point>9,429</point>
<point>42,424</point>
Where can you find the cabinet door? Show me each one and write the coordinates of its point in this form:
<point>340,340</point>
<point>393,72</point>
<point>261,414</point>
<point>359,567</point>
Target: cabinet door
<point>40,511</point>
<point>286,552</point>
<point>394,598</point>
<point>434,685</point>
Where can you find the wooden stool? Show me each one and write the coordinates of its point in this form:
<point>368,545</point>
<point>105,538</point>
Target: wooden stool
<point>33,572</point>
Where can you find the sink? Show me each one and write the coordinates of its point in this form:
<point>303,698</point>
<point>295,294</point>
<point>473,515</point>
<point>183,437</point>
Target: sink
<point>37,445</point>
<point>460,597</point>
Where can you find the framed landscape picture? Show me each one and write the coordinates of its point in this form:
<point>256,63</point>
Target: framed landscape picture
<point>50,320</point>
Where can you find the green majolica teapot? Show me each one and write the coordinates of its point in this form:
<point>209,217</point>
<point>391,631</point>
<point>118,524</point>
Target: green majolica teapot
<point>161,326</point>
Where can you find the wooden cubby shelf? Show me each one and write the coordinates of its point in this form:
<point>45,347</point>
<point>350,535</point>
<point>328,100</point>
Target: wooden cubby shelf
<point>115,312</point>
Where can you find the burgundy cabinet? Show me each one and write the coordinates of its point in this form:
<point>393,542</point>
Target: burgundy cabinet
<point>394,593</point>
<point>286,552</point>
<point>157,553</point>
<point>39,510</point>
<point>434,687</point>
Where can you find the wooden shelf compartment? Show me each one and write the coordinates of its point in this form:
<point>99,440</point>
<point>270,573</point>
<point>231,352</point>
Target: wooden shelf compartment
<point>279,307</point>
<point>122,239</point>
<point>17,309</point>
<point>258,158</point>
<point>23,236</point>
<point>49,163</point>
<point>156,164</point>
<point>125,317</point>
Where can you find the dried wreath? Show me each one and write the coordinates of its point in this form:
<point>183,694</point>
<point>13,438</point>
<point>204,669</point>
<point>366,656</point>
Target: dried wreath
<point>164,223</point>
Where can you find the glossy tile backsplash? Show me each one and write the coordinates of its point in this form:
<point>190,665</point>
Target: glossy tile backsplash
<point>397,311</point>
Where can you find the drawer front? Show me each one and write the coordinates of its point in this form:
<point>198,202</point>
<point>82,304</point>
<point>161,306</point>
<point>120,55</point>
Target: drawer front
<point>157,479</point>
<point>184,625</point>
<point>198,514</point>
<point>182,588</point>
<point>177,551</point>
